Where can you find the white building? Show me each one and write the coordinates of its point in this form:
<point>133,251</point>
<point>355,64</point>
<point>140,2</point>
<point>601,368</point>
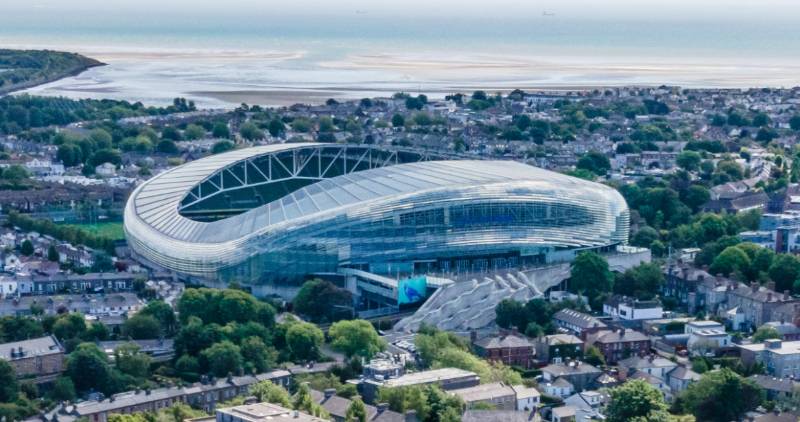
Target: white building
<point>630,309</point>
<point>705,336</point>
<point>528,398</point>
<point>106,170</point>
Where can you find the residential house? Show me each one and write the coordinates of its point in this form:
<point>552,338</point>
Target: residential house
<point>563,414</point>
<point>556,348</point>
<point>508,348</point>
<point>496,394</point>
<point>337,407</point>
<point>588,405</point>
<point>558,387</point>
<point>680,377</point>
<point>780,358</point>
<point>776,388</point>
<point>202,395</point>
<point>579,374</point>
<point>619,344</point>
<point>41,359</point>
<point>788,332</point>
<point>631,309</point>
<point>706,336</point>
<point>651,364</point>
<point>528,398</point>
<point>577,323</point>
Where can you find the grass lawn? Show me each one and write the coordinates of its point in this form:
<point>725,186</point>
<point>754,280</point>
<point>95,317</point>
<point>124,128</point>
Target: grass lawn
<point>112,230</point>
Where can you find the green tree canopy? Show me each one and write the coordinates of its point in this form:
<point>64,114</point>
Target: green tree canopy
<point>720,396</point>
<point>356,338</point>
<point>591,276</point>
<point>142,327</point>
<point>765,332</point>
<point>223,358</point>
<point>321,300</point>
<point>304,340</point>
<point>636,400</point>
<point>9,389</point>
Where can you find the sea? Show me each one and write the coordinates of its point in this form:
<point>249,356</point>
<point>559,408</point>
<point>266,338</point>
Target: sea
<point>223,60</point>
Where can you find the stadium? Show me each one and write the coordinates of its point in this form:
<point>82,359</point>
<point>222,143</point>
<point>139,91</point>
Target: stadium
<point>270,217</point>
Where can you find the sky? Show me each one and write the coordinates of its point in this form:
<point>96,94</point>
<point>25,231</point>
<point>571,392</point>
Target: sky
<point>781,10</point>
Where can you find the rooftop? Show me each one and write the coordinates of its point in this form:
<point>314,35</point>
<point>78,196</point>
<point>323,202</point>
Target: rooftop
<point>429,377</point>
<point>503,341</point>
<point>261,412</point>
<point>484,392</point>
<point>42,346</point>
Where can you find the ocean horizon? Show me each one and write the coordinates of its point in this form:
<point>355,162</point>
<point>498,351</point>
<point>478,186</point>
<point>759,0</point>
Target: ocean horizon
<point>222,61</point>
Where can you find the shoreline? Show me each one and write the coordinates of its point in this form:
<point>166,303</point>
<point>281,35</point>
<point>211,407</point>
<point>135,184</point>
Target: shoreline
<point>87,63</point>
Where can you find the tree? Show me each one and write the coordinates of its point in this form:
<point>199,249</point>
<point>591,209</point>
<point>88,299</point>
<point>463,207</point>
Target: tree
<point>171,134</point>
<point>26,248</point>
<point>785,269</point>
<point>642,281</point>
<point>251,132</point>
<point>69,326</point>
<point>223,358</point>
<point>321,300</point>
<point>142,327</point>
<point>398,120</point>
<point>276,128</point>
<point>644,237</point>
<point>270,392</point>
<point>167,147</point>
<point>129,360</point>
<point>163,313</point>
<point>88,368</point>
<point>193,132</point>
<point>510,314</point>
<point>765,332</point>
<point>356,412</point>
<point>695,196</point>
<point>593,356</point>
<point>303,401</point>
<point>794,122</point>
<point>257,355</point>
<point>63,389</point>
<point>720,396</point>
<point>594,162</point>
<point>636,400</point>
<point>304,340</point>
<point>70,155</point>
<point>356,338</point>
<point>52,254</point>
<point>9,389</point>
<point>590,275</point>
<point>220,130</point>
<point>689,160</point>
<point>222,146</point>
<point>731,259</point>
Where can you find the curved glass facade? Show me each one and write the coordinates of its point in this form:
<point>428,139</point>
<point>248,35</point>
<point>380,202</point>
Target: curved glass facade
<point>420,214</point>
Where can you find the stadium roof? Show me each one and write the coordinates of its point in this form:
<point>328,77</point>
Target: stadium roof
<point>156,202</point>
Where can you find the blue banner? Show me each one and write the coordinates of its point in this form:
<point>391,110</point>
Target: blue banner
<point>411,290</point>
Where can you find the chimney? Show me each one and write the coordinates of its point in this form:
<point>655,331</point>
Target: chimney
<point>754,286</point>
<point>411,416</point>
<point>771,285</point>
<point>329,392</point>
<point>621,332</point>
<point>787,295</point>
<point>296,414</point>
<point>382,407</point>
